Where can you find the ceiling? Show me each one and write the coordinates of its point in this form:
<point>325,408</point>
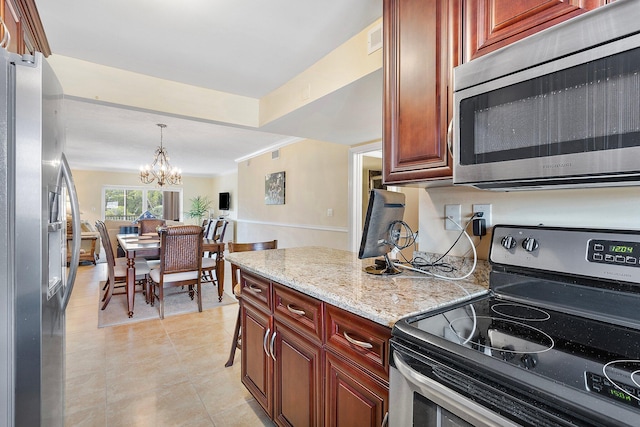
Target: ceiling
<point>242,47</point>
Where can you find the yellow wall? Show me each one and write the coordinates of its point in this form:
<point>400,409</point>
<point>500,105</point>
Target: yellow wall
<point>89,185</point>
<point>344,65</point>
<point>316,180</point>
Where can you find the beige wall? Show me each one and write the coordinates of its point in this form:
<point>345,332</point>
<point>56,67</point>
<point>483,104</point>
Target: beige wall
<point>89,185</point>
<point>226,183</point>
<point>617,208</point>
<point>316,180</point>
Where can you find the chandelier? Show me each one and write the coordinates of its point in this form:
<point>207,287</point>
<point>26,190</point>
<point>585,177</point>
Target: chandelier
<point>160,170</point>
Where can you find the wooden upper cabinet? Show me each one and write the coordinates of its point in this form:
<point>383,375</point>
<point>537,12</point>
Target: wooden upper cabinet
<point>492,24</point>
<point>23,21</point>
<point>420,50</point>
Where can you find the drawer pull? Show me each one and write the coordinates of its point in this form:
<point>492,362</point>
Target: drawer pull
<point>255,289</point>
<point>273,338</point>
<point>450,137</point>
<point>295,310</point>
<point>264,341</point>
<point>362,344</point>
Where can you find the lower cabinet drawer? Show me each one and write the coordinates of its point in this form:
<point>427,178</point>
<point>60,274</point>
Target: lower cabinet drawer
<point>257,289</point>
<point>300,312</point>
<point>364,342</point>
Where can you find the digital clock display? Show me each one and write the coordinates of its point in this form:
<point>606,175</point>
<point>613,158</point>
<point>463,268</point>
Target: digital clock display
<point>621,249</point>
<point>619,395</point>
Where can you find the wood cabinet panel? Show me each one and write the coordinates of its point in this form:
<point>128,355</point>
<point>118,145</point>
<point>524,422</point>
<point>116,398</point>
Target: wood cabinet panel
<point>257,366</point>
<point>25,27</point>
<point>492,24</point>
<point>298,379</point>
<point>353,398</point>
<point>418,58</point>
<point>10,18</point>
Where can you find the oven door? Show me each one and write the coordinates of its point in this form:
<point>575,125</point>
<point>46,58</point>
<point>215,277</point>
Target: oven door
<point>417,400</point>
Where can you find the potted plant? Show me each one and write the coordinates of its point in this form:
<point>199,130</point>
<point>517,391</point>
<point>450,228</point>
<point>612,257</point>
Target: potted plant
<point>199,208</point>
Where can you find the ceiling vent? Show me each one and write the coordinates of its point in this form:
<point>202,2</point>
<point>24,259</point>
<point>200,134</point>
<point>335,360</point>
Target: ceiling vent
<point>374,39</point>
<point>275,155</point>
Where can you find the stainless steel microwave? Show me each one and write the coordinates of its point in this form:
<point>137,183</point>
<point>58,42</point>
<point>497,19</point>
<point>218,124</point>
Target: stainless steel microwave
<point>559,109</point>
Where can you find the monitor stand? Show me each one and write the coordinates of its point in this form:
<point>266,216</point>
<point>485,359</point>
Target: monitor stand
<point>383,267</point>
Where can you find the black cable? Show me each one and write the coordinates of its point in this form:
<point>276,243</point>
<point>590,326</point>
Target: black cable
<point>420,262</point>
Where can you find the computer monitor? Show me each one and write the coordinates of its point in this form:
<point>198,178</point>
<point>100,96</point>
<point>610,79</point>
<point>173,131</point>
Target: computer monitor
<point>382,229</point>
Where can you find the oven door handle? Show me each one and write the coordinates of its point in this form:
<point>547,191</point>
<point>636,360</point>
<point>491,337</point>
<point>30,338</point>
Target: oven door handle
<point>450,400</point>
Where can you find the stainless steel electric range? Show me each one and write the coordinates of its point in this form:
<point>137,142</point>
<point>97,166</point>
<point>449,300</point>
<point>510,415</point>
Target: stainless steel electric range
<point>556,342</point>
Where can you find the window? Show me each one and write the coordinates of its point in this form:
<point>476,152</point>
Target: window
<point>128,203</point>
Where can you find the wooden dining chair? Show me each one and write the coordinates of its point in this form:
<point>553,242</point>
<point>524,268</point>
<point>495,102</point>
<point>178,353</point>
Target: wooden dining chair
<point>117,271</point>
<point>210,259</point>
<point>216,229</point>
<point>180,262</point>
<point>235,285</point>
<point>150,225</point>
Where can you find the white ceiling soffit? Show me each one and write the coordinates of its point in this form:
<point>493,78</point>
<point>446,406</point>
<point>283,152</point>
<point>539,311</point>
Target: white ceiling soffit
<point>103,137</point>
<point>350,115</point>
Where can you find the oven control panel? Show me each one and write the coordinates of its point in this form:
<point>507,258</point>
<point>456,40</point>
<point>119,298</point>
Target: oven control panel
<point>597,253</point>
<point>614,252</point>
<point>619,392</point>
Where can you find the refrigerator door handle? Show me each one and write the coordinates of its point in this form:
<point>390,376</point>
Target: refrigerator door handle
<point>75,217</point>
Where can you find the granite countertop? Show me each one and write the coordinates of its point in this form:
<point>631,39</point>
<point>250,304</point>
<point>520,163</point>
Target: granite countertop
<point>336,277</point>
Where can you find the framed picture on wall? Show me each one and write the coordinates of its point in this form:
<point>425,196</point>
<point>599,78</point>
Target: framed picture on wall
<point>274,185</point>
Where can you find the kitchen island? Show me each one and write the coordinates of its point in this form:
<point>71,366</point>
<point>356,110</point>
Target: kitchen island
<point>316,330</point>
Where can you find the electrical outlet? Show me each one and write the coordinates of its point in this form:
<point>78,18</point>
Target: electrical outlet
<point>486,213</point>
<point>453,212</point>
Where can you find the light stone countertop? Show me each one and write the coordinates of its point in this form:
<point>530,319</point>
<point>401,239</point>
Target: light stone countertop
<point>336,277</point>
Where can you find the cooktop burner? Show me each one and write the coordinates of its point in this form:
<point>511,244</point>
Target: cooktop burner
<point>520,312</point>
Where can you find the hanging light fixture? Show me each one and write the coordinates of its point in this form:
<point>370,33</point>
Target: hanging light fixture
<point>160,170</point>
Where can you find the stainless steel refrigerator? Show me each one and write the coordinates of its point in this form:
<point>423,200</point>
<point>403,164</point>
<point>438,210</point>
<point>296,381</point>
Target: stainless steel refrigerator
<point>35,283</point>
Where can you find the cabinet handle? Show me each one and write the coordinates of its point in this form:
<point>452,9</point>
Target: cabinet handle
<point>362,344</point>
<point>273,338</point>
<point>255,289</point>
<point>385,420</point>
<point>264,341</point>
<point>295,310</point>
<point>450,137</point>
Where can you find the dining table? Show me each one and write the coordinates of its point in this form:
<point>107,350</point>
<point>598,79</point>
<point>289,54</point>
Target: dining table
<point>148,245</point>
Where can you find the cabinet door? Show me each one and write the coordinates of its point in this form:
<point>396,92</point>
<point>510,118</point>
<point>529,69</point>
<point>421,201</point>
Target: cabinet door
<point>257,366</point>
<point>420,51</point>
<point>352,398</point>
<point>298,379</point>
<point>492,24</point>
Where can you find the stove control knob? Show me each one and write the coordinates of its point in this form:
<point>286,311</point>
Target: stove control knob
<point>529,361</point>
<point>530,244</point>
<point>508,242</point>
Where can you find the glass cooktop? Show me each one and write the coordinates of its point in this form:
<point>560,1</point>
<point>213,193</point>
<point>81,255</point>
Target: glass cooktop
<point>589,355</point>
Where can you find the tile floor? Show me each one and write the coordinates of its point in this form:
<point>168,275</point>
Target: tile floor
<point>154,373</point>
